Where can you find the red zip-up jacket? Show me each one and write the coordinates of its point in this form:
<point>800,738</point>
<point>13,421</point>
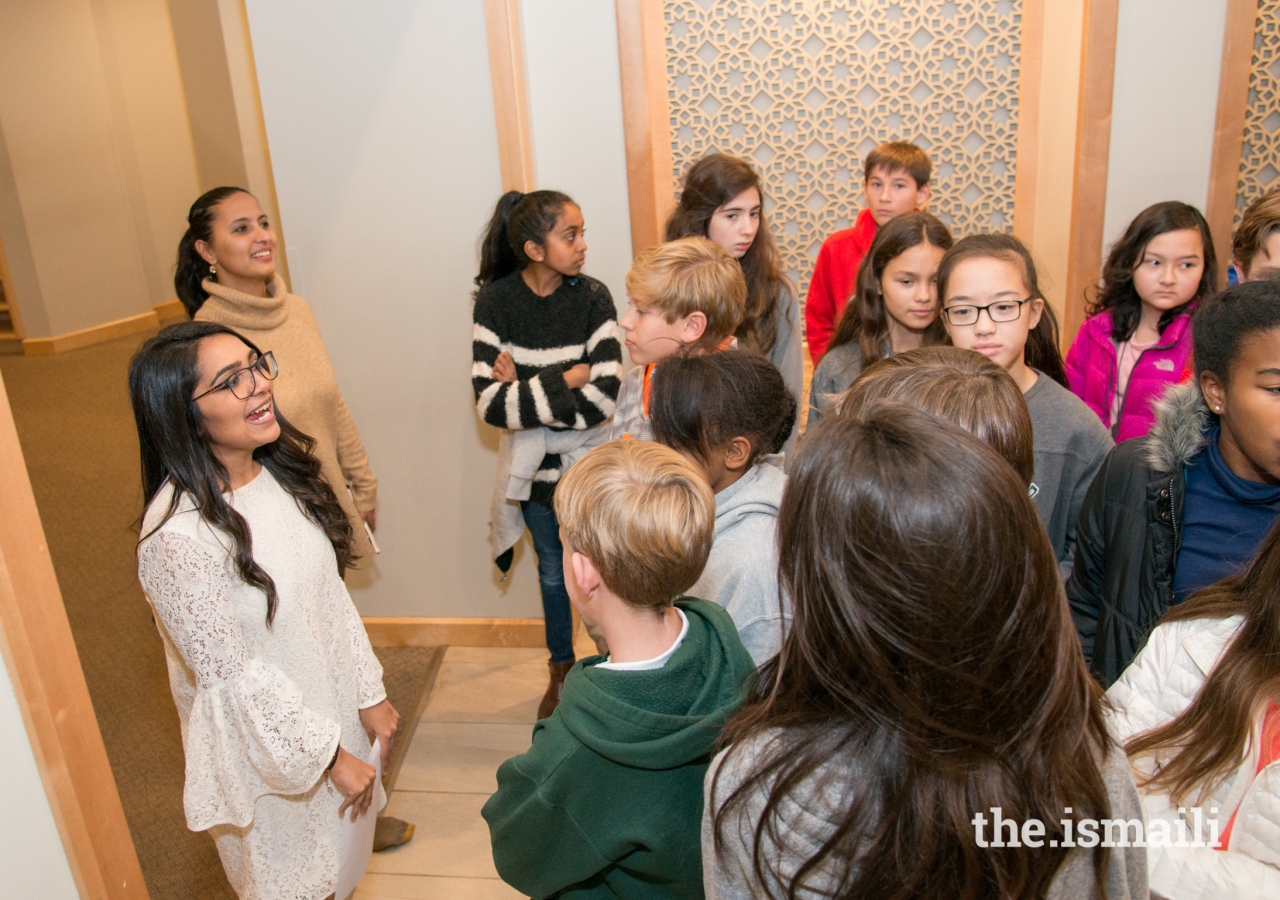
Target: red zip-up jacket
<point>832,283</point>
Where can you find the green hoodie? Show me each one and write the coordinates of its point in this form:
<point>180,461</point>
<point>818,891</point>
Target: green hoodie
<point>608,800</point>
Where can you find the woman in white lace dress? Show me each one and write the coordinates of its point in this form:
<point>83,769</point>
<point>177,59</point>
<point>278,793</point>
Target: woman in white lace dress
<point>242,552</point>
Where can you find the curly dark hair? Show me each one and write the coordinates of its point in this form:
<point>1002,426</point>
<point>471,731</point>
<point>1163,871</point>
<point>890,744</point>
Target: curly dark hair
<point>1222,323</point>
<point>1117,292</point>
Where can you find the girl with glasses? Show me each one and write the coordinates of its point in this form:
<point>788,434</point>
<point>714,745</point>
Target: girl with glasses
<point>991,303</point>
<point>241,556</point>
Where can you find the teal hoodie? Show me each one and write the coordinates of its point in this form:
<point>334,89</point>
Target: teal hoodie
<point>608,800</point>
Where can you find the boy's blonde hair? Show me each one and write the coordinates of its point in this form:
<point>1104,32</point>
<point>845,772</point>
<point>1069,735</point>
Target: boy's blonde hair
<point>693,274</point>
<point>899,156</point>
<point>1261,219</point>
<point>643,515</point>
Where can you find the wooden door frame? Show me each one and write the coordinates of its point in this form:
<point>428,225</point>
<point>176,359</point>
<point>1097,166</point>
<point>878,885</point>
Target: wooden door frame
<point>40,653</point>
<point>1228,130</point>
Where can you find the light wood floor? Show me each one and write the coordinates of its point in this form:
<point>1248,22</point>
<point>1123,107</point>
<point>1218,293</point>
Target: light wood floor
<point>482,710</point>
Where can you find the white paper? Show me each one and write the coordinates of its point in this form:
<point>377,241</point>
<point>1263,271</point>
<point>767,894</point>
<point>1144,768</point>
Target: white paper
<point>355,839</point>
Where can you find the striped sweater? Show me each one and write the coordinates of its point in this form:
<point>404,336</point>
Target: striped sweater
<point>545,336</point>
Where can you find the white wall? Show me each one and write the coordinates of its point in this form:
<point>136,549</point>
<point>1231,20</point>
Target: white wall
<point>1168,57</point>
<point>381,127</point>
<point>33,862</point>
<point>574,91</point>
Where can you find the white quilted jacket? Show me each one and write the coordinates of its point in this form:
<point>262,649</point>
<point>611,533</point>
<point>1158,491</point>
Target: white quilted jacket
<point>1161,683</point>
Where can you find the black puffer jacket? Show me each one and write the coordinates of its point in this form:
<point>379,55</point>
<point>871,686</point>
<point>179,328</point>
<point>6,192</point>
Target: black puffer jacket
<point>1129,533</point>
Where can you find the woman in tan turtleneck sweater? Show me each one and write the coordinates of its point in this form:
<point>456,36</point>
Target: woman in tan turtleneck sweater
<point>227,274</point>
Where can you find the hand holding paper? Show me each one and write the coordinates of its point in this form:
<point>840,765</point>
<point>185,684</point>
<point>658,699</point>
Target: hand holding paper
<point>355,837</point>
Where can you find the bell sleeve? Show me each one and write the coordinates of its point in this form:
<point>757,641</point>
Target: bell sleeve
<point>248,733</point>
<point>368,671</point>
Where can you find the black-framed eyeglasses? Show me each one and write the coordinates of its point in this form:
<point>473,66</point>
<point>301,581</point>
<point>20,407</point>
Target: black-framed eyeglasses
<point>1000,311</point>
<point>243,382</point>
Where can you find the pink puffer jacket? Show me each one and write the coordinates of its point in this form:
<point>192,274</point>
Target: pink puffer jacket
<point>1092,373</point>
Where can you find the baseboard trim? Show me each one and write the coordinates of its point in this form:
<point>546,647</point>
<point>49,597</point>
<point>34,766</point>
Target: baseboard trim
<point>170,309</point>
<point>87,337</point>
<point>460,632</point>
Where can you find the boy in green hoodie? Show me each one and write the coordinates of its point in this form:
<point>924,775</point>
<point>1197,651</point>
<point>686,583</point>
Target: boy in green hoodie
<point>608,800</point>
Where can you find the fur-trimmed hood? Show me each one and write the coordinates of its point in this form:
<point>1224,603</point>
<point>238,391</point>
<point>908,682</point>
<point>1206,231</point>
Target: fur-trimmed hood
<point>1181,431</point>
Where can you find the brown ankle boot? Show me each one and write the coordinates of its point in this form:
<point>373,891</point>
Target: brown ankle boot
<point>551,699</point>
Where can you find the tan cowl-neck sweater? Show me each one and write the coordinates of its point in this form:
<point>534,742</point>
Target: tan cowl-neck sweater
<point>306,390</point>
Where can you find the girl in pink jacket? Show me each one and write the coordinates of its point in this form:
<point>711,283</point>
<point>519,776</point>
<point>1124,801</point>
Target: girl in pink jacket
<point>1137,341</point>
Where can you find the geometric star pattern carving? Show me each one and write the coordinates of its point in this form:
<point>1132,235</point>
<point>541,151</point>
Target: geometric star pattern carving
<point>805,89</point>
<point>1260,155</point>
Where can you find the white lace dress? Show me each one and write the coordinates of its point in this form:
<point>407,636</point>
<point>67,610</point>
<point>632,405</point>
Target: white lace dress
<point>262,709</point>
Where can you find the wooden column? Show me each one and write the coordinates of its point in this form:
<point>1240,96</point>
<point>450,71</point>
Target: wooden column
<point>1228,129</point>
<point>1028,150</point>
<point>646,119</point>
<point>510,108</point>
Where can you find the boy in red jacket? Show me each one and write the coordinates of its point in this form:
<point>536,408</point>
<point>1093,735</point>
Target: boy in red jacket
<point>897,181</point>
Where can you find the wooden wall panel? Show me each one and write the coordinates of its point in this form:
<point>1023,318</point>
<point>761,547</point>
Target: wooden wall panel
<point>1093,148</point>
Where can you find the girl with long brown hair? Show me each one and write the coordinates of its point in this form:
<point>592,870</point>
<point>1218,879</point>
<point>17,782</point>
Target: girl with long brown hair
<point>723,200</point>
<point>1200,708</point>
<point>930,675</point>
<point>894,306</point>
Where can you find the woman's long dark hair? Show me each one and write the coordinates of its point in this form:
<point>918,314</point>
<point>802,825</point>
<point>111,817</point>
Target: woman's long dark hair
<point>516,219</point>
<point>1117,292</point>
<point>1042,351</point>
<point>933,648</point>
<point>175,449</point>
<point>192,269</point>
<point>1200,748</point>
<point>709,184</point>
<point>865,319</point>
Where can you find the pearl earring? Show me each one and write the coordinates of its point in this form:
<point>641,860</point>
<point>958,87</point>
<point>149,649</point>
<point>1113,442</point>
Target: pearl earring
<point>213,270</point>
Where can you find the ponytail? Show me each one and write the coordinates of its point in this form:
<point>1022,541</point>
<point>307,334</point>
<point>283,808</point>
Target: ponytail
<point>192,269</point>
<point>1042,350</point>
<point>517,219</point>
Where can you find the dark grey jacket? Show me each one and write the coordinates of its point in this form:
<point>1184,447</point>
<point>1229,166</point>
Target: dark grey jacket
<point>1129,533</point>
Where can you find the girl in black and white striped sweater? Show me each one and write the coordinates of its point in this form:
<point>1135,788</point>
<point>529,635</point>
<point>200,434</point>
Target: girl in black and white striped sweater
<point>545,355</point>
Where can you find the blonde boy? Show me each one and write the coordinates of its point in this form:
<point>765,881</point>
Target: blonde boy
<point>689,291</point>
<point>896,182</point>
<point>608,800</point>
<point>1255,247</point>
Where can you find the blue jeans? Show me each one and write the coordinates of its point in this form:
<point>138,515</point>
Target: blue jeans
<point>545,531</point>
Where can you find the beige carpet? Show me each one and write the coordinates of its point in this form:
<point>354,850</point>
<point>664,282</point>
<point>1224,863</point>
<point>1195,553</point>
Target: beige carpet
<point>77,434</point>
